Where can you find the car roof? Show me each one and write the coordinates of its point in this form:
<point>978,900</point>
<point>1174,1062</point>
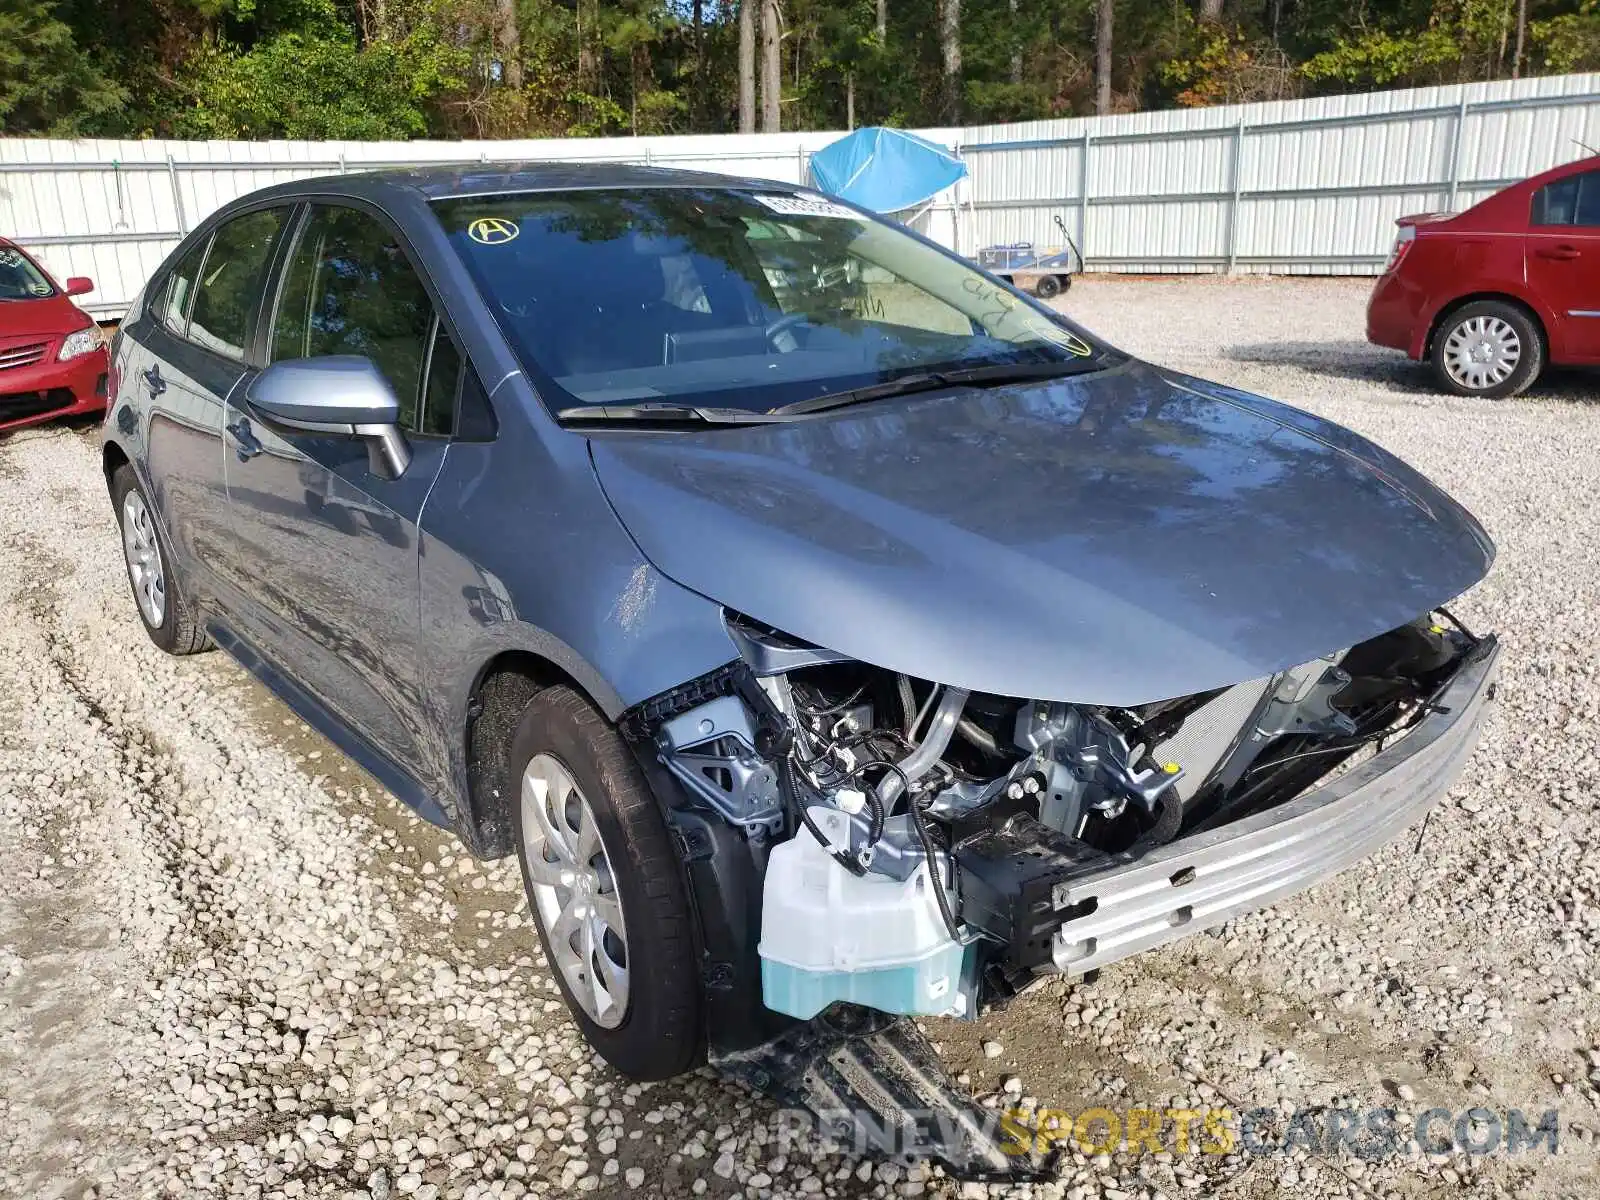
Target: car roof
<point>439,181</point>
<point>1576,167</point>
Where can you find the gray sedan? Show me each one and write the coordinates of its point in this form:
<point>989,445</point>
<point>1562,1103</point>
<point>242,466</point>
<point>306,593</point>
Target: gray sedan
<point>835,634</point>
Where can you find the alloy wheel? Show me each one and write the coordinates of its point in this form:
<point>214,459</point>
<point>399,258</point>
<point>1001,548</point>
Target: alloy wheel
<point>574,890</point>
<point>1481,352</point>
<point>143,555</point>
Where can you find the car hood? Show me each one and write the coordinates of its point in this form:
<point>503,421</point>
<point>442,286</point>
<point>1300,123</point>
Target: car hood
<point>1115,539</point>
<point>44,317</point>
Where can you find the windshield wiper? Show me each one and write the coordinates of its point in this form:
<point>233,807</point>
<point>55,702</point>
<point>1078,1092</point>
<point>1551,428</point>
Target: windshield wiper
<point>992,375</point>
<point>667,412</point>
<point>659,413</point>
<point>922,381</point>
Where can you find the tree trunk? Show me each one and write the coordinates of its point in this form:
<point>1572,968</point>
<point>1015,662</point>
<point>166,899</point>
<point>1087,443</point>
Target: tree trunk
<point>699,50</point>
<point>950,50</point>
<point>883,22</point>
<point>587,72</point>
<point>373,20</point>
<point>849,100</point>
<point>747,65</point>
<point>1499,66</point>
<point>771,67</point>
<point>1211,10</point>
<point>1016,45</point>
<point>1522,39</point>
<point>1102,58</point>
<point>508,42</point>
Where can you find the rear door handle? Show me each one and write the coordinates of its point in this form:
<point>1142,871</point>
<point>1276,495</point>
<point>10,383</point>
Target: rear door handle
<point>153,382</point>
<point>245,443</point>
<point>1560,253</point>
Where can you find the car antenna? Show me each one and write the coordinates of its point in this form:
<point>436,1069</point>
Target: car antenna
<point>1585,145</point>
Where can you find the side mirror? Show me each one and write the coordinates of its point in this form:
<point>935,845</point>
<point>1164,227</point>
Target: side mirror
<point>79,285</point>
<point>343,395</point>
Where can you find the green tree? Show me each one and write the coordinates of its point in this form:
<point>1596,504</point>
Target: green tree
<point>48,84</point>
<point>300,85</point>
<point>519,68</point>
<point>1570,41</point>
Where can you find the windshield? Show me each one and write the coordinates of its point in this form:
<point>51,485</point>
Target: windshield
<point>20,279</point>
<point>733,298</point>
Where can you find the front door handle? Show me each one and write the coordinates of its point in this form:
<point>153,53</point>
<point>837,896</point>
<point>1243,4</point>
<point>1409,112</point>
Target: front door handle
<point>245,443</point>
<point>1559,253</point>
<point>153,382</point>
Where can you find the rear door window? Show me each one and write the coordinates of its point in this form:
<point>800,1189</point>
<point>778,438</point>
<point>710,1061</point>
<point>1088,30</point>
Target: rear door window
<point>1589,201</point>
<point>1570,202</point>
<point>228,293</point>
<point>172,306</point>
<point>349,288</point>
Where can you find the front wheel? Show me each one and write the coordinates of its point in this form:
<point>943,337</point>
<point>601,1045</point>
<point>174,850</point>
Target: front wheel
<point>163,609</point>
<point>605,888</point>
<point>1048,287</point>
<point>1489,349</point>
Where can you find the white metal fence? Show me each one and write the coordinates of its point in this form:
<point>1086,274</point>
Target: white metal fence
<point>1304,186</point>
<point>1308,186</point>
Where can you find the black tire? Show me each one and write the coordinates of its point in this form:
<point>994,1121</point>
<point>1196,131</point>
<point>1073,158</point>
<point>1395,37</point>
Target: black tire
<point>179,631</point>
<point>1490,315</point>
<point>661,1033</point>
<point>1048,287</point>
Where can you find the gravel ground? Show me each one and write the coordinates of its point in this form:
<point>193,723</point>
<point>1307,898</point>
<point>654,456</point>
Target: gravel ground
<point>229,965</point>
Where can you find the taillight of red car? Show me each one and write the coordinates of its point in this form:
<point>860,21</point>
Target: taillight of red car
<point>1403,242</point>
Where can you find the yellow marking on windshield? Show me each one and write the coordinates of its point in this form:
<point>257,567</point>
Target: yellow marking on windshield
<point>493,231</point>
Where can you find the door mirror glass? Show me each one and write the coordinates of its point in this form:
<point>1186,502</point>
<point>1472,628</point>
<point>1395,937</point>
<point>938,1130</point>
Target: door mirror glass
<point>80,285</point>
<point>339,395</point>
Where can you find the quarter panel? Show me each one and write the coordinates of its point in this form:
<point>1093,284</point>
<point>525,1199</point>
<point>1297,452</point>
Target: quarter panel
<point>1477,264</point>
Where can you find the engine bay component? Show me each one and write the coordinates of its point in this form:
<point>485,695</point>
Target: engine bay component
<point>919,849</point>
<point>1098,758</point>
<point>829,935</point>
<point>928,751</point>
<point>711,749</point>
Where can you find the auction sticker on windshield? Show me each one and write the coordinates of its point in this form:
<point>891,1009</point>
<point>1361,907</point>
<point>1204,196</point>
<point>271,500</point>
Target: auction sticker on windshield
<point>492,231</point>
<point>806,206</point>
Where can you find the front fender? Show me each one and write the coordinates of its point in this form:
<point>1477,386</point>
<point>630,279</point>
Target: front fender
<point>553,575</point>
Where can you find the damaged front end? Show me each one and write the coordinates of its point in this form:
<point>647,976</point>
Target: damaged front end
<point>860,842</point>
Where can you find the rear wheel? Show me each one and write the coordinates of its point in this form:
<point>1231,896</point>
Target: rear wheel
<point>166,615</point>
<point>605,888</point>
<point>1487,348</point>
<point>1048,287</point>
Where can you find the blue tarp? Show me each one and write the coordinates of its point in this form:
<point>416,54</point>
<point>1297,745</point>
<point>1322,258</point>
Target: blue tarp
<point>885,170</point>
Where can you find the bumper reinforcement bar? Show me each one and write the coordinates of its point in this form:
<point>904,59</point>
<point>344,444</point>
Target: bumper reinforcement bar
<point>1202,881</point>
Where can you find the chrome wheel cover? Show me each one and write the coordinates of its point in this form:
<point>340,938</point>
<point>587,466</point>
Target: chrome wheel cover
<point>574,892</point>
<point>143,555</point>
<point>1482,352</point>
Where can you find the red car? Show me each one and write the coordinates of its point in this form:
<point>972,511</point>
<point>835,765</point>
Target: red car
<point>52,354</point>
<point>1491,295</point>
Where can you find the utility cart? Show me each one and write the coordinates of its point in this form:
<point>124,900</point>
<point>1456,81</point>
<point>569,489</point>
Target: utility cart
<point>1046,271</point>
